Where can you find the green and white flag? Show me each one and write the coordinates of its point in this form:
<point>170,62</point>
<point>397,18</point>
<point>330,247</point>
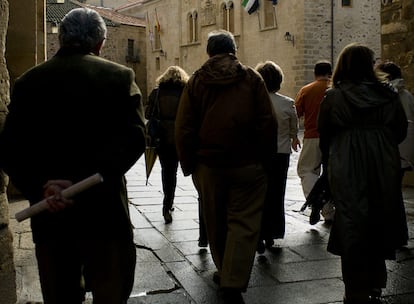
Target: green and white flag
<point>250,6</point>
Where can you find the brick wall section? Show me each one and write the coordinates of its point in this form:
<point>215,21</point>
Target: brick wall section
<point>316,38</point>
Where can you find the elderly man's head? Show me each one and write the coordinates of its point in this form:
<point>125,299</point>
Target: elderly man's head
<point>84,29</point>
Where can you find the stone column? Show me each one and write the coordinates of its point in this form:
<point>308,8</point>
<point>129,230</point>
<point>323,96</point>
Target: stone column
<point>7,270</point>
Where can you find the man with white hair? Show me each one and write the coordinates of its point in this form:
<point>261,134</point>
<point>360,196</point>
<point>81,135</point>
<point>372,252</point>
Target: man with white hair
<point>70,117</point>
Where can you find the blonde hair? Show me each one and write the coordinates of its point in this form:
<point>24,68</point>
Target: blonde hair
<point>173,74</point>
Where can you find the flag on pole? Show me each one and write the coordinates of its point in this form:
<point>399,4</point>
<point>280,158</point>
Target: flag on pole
<point>150,33</point>
<point>157,23</point>
<point>250,6</point>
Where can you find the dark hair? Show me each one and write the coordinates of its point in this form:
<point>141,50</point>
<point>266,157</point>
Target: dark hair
<point>323,68</point>
<point>272,75</point>
<point>392,70</point>
<point>355,64</point>
<point>220,42</point>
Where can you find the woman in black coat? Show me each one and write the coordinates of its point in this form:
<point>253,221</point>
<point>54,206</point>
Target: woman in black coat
<point>361,122</point>
<point>163,104</point>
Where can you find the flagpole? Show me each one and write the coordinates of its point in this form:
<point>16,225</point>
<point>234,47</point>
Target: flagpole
<point>149,31</point>
<point>158,28</point>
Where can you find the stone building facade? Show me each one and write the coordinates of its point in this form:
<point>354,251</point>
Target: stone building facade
<point>397,42</point>
<point>295,34</point>
<point>126,38</point>
<point>397,36</point>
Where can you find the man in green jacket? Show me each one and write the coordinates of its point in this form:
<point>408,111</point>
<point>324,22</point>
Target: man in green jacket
<point>71,117</point>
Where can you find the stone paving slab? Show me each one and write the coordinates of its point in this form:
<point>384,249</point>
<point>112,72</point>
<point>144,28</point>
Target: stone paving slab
<point>309,292</point>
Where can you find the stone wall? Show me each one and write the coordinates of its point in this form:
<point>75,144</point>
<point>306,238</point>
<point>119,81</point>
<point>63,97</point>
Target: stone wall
<point>7,271</point>
<point>397,40</point>
<point>397,36</point>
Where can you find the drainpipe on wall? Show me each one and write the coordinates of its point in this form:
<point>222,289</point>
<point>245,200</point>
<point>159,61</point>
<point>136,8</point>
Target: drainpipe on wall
<point>332,32</point>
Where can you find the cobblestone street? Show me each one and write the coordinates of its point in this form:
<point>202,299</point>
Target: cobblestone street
<point>171,268</point>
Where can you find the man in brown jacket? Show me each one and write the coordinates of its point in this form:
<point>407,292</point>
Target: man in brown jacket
<point>226,131</point>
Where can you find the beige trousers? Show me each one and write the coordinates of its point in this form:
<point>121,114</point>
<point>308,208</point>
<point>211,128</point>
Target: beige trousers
<point>309,164</point>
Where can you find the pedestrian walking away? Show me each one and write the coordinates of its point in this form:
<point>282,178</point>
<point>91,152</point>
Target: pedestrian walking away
<point>307,104</point>
<point>226,132</point>
<point>70,117</point>
<point>406,147</point>
<point>163,104</point>
<point>361,122</point>
<point>273,222</point>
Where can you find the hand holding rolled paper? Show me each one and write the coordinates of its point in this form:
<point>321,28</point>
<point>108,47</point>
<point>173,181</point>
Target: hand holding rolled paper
<point>66,193</point>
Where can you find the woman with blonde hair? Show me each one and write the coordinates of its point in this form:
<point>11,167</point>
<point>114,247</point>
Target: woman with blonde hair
<point>162,104</point>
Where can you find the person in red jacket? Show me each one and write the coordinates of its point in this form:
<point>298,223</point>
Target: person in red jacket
<point>307,104</point>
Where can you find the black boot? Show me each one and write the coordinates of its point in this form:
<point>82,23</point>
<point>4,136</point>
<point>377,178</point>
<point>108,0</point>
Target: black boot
<point>166,213</point>
<point>232,296</point>
<point>261,247</point>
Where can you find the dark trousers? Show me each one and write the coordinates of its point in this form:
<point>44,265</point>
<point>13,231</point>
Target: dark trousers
<point>201,224</point>
<point>68,269</point>
<point>363,276</point>
<point>232,205</point>
<point>169,165</point>
<point>273,222</point>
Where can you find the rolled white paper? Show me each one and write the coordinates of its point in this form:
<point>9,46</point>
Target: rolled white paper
<point>66,193</point>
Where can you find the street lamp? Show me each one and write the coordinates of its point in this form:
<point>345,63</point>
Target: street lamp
<point>289,37</point>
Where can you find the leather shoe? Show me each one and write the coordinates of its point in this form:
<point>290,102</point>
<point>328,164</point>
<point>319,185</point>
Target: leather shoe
<point>232,296</point>
<point>202,243</point>
<point>269,243</point>
<point>260,247</point>
<point>216,278</point>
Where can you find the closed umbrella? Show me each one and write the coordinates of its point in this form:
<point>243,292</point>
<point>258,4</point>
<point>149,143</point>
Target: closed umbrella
<point>150,158</point>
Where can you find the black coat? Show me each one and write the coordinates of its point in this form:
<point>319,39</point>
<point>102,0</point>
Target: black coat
<point>163,104</point>
<point>360,127</point>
